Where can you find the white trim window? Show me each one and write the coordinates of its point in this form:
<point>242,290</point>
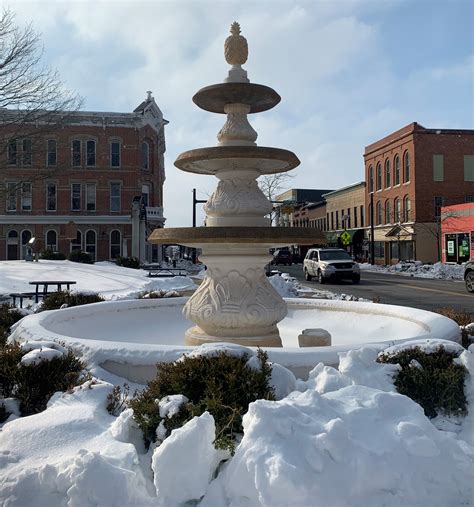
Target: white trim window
<point>12,188</point>
<point>406,167</point>
<point>115,154</point>
<point>396,172</point>
<point>90,153</point>
<point>51,196</point>
<point>51,240</point>
<point>76,152</point>
<point>52,153</point>
<point>26,152</point>
<point>91,243</point>
<point>388,176</point>
<point>115,197</point>
<point>115,242</point>
<point>26,196</point>
<point>12,152</point>
<point>76,196</point>
<point>90,196</point>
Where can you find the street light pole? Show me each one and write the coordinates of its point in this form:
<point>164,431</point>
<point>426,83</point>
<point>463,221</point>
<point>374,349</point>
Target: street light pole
<point>196,201</point>
<point>372,242</point>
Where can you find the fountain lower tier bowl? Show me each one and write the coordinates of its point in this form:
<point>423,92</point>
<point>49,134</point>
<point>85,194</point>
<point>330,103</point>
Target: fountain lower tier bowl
<point>265,237</point>
<point>128,338</point>
<point>211,160</point>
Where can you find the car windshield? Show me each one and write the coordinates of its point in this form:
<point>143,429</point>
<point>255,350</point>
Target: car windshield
<point>334,255</point>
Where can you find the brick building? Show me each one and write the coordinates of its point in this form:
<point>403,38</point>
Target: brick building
<point>412,173</point>
<point>457,229</point>
<point>73,187</point>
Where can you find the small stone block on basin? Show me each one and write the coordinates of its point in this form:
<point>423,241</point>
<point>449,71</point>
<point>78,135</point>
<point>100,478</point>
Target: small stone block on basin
<point>314,338</point>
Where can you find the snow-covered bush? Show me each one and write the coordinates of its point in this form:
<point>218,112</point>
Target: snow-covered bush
<point>431,378</point>
<point>221,384</point>
<point>128,262</point>
<point>158,294</point>
<point>34,371</point>
<point>8,316</point>
<point>58,299</point>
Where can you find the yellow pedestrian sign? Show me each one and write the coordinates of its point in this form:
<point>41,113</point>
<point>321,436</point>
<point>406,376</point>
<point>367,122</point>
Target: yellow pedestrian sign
<point>345,238</point>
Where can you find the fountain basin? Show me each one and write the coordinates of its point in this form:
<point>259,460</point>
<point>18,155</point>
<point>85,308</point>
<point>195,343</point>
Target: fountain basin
<point>128,338</point>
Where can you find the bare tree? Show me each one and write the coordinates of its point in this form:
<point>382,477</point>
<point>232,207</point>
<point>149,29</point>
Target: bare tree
<point>271,185</point>
<point>33,100</point>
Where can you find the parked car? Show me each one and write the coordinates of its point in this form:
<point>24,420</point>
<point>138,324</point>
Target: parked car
<point>282,257</point>
<point>469,276</point>
<point>330,263</point>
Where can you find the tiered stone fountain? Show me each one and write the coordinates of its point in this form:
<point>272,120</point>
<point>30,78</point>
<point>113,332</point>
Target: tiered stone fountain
<point>236,303</point>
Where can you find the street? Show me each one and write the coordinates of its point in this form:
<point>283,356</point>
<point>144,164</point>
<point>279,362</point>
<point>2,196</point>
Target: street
<point>422,293</point>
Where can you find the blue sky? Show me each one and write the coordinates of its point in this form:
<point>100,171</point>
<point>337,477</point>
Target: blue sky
<point>349,72</point>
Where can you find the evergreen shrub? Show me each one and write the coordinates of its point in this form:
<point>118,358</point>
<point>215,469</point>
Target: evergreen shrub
<point>55,300</point>
<point>222,384</point>
<point>128,262</point>
<point>82,257</point>
<point>431,379</point>
<point>49,255</point>
<point>9,315</point>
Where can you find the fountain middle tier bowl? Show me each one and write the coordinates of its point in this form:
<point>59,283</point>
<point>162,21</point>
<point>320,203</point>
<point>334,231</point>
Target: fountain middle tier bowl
<point>128,338</point>
<point>270,237</point>
<point>211,160</point>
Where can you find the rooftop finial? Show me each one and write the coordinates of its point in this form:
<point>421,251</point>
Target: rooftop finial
<point>236,52</point>
<point>148,95</point>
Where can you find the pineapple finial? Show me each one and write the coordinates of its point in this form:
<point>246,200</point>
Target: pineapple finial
<point>236,52</point>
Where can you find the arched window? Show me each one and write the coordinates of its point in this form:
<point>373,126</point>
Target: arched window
<point>115,244</point>
<point>396,173</point>
<point>145,155</point>
<point>25,237</point>
<point>388,212</point>
<point>12,245</point>
<point>397,210</point>
<point>379,213</point>
<point>379,176</point>
<point>91,243</point>
<point>406,209</point>
<point>388,175</point>
<point>406,167</point>
<point>52,240</point>
<point>371,179</point>
<point>76,244</point>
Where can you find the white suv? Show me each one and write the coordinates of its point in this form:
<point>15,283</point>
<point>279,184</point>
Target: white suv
<point>326,263</point>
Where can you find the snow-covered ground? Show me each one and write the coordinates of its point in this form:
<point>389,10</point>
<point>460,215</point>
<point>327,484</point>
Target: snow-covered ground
<point>419,270</point>
<point>342,438</point>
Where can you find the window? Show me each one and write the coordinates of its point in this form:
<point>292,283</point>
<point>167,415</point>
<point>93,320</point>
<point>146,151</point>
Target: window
<point>51,197</point>
<point>76,196</point>
<point>406,209</point>
<point>355,216</point>
<point>371,179</point>
<point>145,155</point>
<point>469,198</point>
<point>379,213</point>
<point>438,168</point>
<point>388,175</point>
<point>52,154</point>
<point>438,202</point>
<point>91,237</point>
<point>11,196</point>
<point>379,176</point>
<point>90,152</point>
<point>12,152</point>
<point>26,152</point>
<point>76,153</point>
<point>115,244</point>
<point>362,217</point>
<point>468,167</point>
<point>337,219</point>
<point>406,167</point>
<point>52,240</point>
<point>348,222</point>
<point>398,210</point>
<point>332,220</point>
<point>115,201</point>
<point>26,194</point>
<point>396,175</point>
<point>146,195</point>
<point>25,237</point>
<point>388,212</point>
<point>115,154</point>
<point>90,196</point>
<point>76,244</point>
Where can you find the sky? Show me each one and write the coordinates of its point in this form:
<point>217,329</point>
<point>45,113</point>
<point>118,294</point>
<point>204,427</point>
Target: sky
<point>349,72</point>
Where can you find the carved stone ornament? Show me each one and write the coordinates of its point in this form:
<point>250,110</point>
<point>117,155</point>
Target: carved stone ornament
<point>236,49</point>
<point>237,129</point>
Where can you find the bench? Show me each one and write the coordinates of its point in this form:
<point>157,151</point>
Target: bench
<point>46,283</point>
<point>156,271</point>
<point>25,295</point>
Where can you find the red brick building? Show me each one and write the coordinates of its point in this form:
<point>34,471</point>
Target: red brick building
<point>457,228</point>
<point>412,173</point>
<point>73,187</point>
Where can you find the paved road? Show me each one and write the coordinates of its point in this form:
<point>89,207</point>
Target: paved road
<point>423,293</point>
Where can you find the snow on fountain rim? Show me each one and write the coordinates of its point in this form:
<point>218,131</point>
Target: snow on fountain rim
<point>45,326</point>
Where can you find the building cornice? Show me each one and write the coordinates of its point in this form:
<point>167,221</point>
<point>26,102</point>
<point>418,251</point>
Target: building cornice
<point>64,219</point>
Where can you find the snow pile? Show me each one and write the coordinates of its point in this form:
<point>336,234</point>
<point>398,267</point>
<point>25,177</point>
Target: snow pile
<point>286,286</point>
<point>419,270</point>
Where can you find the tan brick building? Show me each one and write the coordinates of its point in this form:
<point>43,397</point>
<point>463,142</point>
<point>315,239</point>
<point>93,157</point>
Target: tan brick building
<point>412,173</point>
<point>73,187</point>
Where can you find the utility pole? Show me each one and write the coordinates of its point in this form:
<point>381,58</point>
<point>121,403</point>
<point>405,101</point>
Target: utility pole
<point>372,242</point>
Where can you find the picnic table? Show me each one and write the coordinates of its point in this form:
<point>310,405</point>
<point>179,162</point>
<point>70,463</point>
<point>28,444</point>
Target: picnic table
<point>155,271</point>
<point>46,283</point>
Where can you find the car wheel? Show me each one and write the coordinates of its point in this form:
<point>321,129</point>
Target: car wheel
<point>307,276</point>
<point>470,281</point>
<point>321,278</point>
<point>356,279</point>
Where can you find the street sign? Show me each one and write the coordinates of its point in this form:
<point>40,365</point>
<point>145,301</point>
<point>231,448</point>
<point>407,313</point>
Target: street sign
<point>345,238</point>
